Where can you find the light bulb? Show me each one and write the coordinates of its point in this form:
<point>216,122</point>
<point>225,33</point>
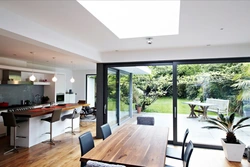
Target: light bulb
<point>54,79</point>
<point>72,80</point>
<point>32,77</point>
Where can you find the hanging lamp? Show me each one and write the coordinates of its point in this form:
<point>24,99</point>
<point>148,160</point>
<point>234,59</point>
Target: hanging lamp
<point>54,79</point>
<point>72,80</point>
<point>32,77</point>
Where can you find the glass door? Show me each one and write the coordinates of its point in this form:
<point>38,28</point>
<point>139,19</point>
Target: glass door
<point>124,96</point>
<point>204,90</point>
<point>112,110</point>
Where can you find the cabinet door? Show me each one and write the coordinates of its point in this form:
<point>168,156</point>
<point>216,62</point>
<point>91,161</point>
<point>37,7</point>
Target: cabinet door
<point>70,98</point>
<point>60,85</point>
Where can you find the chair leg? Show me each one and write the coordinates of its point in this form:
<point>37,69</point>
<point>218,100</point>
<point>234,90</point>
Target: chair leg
<point>51,141</point>
<point>72,128</point>
<point>14,149</point>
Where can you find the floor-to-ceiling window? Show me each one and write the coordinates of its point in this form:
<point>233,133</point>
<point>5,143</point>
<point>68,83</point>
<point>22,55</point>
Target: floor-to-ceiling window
<point>225,79</point>
<point>224,86</point>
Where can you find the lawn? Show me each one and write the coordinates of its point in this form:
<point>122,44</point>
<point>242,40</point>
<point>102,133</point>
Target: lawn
<point>161,105</point>
<point>165,105</point>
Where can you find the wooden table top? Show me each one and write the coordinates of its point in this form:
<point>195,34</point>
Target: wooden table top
<point>43,111</point>
<point>132,145</point>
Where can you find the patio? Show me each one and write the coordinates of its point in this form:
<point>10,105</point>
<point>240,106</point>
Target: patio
<point>197,133</point>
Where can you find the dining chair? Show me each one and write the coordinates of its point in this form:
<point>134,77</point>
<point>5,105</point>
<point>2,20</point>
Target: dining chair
<point>106,131</point>
<point>177,153</point>
<point>101,164</point>
<point>54,118</point>
<point>187,154</point>
<point>86,144</point>
<point>145,120</point>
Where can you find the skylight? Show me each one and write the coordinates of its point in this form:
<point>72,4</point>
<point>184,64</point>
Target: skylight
<point>132,19</point>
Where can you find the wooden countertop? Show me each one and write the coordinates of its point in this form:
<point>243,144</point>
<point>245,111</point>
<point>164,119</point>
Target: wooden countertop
<point>43,111</point>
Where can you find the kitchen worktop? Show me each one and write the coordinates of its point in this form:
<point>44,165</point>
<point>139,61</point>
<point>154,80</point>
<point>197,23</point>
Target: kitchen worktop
<point>43,111</point>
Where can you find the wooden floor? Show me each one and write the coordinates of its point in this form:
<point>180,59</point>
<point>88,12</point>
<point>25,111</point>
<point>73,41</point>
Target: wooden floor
<point>67,153</point>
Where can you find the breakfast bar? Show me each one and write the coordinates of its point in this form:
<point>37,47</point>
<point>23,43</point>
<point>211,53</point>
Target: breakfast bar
<point>33,131</point>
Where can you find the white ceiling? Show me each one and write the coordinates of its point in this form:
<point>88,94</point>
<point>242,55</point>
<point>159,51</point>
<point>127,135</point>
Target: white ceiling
<point>202,23</point>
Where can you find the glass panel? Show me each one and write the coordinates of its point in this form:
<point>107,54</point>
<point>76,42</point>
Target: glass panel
<point>154,92</point>
<point>91,90</point>
<point>111,106</point>
<point>209,89</point>
<point>124,96</point>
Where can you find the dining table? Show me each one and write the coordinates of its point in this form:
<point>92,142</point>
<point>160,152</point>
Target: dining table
<point>132,145</point>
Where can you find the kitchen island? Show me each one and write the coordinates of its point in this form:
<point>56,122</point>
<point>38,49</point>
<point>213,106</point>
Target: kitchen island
<point>33,131</point>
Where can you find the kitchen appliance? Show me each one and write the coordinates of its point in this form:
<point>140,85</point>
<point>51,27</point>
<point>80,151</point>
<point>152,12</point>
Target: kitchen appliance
<point>14,108</point>
<point>60,97</point>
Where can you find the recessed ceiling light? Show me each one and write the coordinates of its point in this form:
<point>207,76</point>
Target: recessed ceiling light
<point>221,28</point>
<point>131,19</point>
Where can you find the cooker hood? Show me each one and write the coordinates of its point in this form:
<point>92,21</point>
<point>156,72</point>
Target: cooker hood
<point>14,78</point>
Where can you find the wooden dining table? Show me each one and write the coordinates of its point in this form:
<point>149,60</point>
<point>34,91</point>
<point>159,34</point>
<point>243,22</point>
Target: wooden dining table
<point>132,145</point>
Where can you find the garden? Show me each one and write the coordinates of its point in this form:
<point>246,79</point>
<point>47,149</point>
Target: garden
<point>154,92</point>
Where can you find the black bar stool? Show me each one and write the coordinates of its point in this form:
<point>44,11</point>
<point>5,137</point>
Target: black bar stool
<point>10,120</point>
<point>55,117</point>
<point>72,117</point>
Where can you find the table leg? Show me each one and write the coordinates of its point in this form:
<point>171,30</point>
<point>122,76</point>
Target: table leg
<point>192,113</point>
<point>204,116</point>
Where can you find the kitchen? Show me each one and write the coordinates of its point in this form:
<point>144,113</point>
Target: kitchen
<point>25,95</point>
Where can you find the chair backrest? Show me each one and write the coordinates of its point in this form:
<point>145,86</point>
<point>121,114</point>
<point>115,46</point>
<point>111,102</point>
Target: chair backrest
<point>9,119</point>
<point>145,120</point>
<point>183,143</point>
<point>106,131</point>
<point>86,142</point>
<point>188,153</point>
<point>75,114</point>
<point>101,164</point>
<point>56,115</point>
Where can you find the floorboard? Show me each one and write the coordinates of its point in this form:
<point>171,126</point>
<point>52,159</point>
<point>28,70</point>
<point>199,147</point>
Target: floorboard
<point>67,153</point>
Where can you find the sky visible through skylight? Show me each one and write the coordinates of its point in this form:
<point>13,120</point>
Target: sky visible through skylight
<point>133,19</point>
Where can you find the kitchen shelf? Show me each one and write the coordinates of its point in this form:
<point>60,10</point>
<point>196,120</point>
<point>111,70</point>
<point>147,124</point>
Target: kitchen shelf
<point>41,83</point>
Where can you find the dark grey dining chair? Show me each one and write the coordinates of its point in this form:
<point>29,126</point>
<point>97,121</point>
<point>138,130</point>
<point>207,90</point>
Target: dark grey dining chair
<point>86,144</point>
<point>106,131</point>
<point>145,120</point>
<point>187,154</point>
<point>177,153</point>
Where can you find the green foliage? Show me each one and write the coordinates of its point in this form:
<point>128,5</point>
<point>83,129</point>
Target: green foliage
<point>226,123</point>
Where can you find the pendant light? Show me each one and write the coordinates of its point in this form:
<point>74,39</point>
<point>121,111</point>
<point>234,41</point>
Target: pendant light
<point>54,79</point>
<point>32,77</point>
<point>72,80</point>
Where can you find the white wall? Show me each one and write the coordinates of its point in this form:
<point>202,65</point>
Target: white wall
<point>206,52</point>
<point>79,86</point>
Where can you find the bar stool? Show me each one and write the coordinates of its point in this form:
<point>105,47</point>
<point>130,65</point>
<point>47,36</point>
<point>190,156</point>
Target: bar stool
<point>55,117</point>
<point>72,117</point>
<point>10,120</point>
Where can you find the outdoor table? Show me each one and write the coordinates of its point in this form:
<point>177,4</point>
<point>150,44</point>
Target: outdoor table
<point>203,106</point>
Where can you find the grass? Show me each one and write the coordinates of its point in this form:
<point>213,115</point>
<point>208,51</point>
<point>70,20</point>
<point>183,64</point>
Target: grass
<point>161,105</point>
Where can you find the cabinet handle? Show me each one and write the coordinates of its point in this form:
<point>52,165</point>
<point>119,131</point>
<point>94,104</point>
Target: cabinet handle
<point>175,112</point>
<point>104,109</point>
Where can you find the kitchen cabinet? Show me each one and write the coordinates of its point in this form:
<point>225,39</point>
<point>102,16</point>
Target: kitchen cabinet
<point>70,98</point>
<point>60,84</point>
